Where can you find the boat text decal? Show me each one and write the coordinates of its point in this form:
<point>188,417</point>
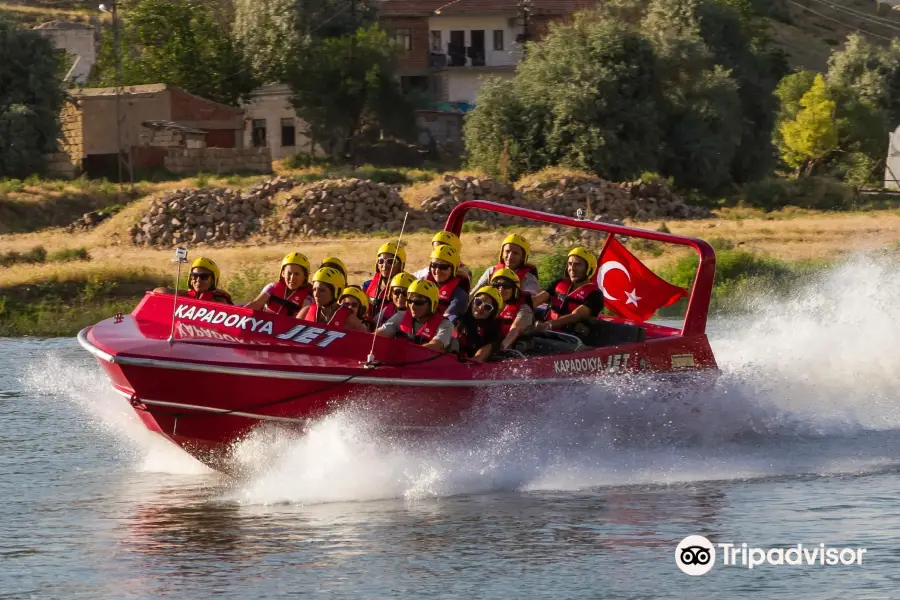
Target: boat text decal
<point>582,365</point>
<point>302,334</point>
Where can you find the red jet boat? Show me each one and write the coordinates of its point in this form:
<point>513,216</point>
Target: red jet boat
<point>207,376</point>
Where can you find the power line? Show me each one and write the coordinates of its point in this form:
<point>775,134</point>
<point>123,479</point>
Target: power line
<point>815,12</point>
<point>861,15</point>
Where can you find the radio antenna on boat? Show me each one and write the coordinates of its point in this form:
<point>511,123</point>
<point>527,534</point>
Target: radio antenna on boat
<point>370,360</point>
<point>180,258</point>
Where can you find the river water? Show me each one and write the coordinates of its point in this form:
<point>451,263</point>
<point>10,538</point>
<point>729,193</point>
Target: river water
<point>798,444</point>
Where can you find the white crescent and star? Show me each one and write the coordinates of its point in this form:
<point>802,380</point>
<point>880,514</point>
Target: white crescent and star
<point>612,265</point>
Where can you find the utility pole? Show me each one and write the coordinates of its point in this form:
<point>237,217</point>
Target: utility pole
<point>123,156</point>
<point>526,7</point>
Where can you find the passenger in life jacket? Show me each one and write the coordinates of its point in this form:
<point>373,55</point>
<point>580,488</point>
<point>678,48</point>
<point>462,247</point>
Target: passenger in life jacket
<point>335,263</point>
<point>479,333</point>
<point>574,298</point>
<point>446,238</point>
<point>328,286</point>
<point>453,297</point>
<point>291,292</point>
<point>357,301</point>
<point>202,282</point>
<point>391,260</point>
<point>422,324</point>
<point>514,253</point>
<point>399,284</point>
<point>517,314</point>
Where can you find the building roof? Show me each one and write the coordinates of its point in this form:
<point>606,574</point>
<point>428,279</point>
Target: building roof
<point>450,7</point>
<point>129,90</point>
<point>62,25</point>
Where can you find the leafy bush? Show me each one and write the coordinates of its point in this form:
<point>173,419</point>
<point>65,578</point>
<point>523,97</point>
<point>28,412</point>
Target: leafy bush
<point>647,246</point>
<point>552,266</point>
<point>69,254</point>
<point>818,193</point>
<point>247,283</point>
<point>36,255</point>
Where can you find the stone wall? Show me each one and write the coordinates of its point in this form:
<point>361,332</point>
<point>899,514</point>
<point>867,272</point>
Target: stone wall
<point>72,128</point>
<point>59,165</point>
<point>189,161</point>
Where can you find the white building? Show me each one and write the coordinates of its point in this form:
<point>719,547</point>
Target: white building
<point>78,40</point>
<point>271,121</point>
<point>892,166</point>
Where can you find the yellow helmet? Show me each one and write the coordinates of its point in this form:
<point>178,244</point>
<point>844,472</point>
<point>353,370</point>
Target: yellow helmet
<point>392,248</point>
<point>493,293</point>
<point>332,277</point>
<point>295,258</point>
<point>447,254</point>
<point>449,238</point>
<point>210,265</point>
<point>335,262</point>
<point>518,240</point>
<point>355,292</point>
<point>587,256</point>
<point>423,287</point>
<point>402,280</point>
<point>505,273</point>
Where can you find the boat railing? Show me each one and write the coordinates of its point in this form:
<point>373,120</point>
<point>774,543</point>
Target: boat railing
<point>701,291</point>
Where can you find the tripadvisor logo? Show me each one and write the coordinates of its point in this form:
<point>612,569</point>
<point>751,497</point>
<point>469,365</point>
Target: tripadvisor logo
<point>696,555</point>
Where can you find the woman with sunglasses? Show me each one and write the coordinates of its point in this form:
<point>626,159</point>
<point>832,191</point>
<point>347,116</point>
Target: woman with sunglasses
<point>453,290</point>
<point>422,323</point>
<point>479,333</point>
<point>399,286</point>
<point>291,292</point>
<point>574,298</point>
<point>446,238</point>
<point>517,314</point>
<point>514,252</point>
<point>202,282</point>
<point>391,260</point>
<point>357,301</point>
<point>328,286</point>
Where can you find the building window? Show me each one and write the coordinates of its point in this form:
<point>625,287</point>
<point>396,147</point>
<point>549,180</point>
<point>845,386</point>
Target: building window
<point>288,133</point>
<point>498,39</point>
<point>258,133</point>
<point>404,38</point>
<point>437,44</point>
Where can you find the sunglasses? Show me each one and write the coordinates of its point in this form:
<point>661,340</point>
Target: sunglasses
<point>504,285</point>
<point>440,266</point>
<point>387,261</point>
<point>398,292</point>
<point>419,302</point>
<point>479,303</point>
<point>200,276</point>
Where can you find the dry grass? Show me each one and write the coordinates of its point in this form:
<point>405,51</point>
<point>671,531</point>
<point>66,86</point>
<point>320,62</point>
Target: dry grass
<point>553,174</point>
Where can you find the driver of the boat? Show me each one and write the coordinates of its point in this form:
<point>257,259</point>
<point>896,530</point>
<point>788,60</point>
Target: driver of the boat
<point>202,282</point>
<point>453,294</point>
<point>356,300</point>
<point>479,334</point>
<point>421,324</point>
<point>391,260</point>
<point>399,285</point>
<point>514,253</point>
<point>446,238</point>
<point>517,314</point>
<point>291,292</point>
<point>328,286</point>
<point>573,298</point>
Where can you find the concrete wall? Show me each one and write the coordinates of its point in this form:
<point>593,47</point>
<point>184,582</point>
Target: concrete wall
<point>99,117</point>
<point>462,85</point>
<point>218,160</point>
<point>272,103</point>
<point>59,165</point>
<point>78,40</point>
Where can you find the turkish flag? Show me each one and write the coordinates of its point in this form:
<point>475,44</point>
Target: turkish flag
<point>630,289</point>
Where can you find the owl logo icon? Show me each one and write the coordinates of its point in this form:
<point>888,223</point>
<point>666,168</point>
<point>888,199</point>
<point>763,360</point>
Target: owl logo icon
<point>695,555</point>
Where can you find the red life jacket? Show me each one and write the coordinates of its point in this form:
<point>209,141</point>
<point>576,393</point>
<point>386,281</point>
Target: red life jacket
<point>510,312</point>
<point>469,341</point>
<point>298,296</point>
<point>445,293</point>
<point>564,302</point>
<point>211,296</point>
<point>387,312</point>
<point>425,333</point>
<point>521,272</point>
<point>338,319</point>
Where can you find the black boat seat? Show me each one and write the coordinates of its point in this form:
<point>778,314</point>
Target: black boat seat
<point>599,333</point>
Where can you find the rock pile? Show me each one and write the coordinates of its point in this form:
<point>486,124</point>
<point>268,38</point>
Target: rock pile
<point>92,219</point>
<point>342,205</point>
<point>454,190</point>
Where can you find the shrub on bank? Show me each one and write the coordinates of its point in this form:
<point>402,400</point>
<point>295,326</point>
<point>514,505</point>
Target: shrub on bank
<point>818,193</point>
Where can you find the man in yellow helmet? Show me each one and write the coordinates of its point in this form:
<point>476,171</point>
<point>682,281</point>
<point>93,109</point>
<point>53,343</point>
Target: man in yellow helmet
<point>446,238</point>
<point>328,287</point>
<point>514,253</point>
<point>202,283</point>
<point>422,323</point>
<point>574,298</point>
<point>291,292</point>
<point>453,290</point>
<point>391,260</point>
<point>397,299</point>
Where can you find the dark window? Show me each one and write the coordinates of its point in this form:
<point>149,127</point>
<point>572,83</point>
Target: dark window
<point>457,48</point>
<point>288,133</point>
<point>259,133</point>
<point>477,50</point>
<point>404,38</point>
<point>498,39</point>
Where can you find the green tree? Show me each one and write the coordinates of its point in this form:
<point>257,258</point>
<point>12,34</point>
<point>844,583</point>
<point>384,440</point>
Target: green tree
<point>871,72</point>
<point>179,43</point>
<point>31,97</point>
<point>346,90</point>
<point>813,134</point>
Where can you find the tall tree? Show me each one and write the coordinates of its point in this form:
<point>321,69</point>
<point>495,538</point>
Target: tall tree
<point>31,97</point>
<point>180,43</point>
<point>812,135</point>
